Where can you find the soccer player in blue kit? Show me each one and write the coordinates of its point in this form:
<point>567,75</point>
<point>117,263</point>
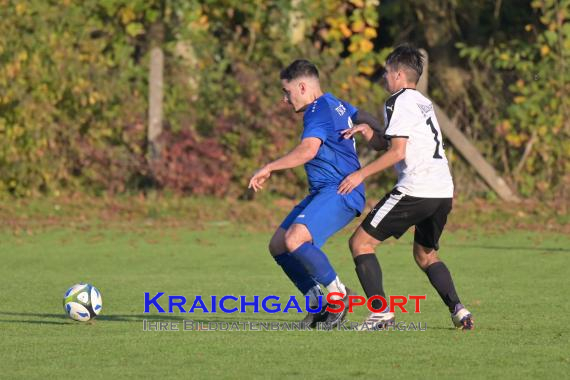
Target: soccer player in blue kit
<point>328,158</point>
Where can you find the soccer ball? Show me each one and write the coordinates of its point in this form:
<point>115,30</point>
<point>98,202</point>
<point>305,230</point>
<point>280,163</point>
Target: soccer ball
<point>82,302</point>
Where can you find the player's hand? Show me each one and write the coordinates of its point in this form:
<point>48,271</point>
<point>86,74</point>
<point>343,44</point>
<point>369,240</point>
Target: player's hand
<point>350,183</point>
<point>259,178</point>
<point>359,128</point>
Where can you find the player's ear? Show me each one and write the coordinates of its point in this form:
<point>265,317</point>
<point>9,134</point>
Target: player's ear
<point>302,87</point>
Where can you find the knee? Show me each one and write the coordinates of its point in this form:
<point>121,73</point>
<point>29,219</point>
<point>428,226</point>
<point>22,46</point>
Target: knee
<point>277,243</point>
<point>424,262</point>
<point>352,244</point>
<point>359,246</point>
<point>274,249</point>
<point>294,239</point>
<point>425,259</point>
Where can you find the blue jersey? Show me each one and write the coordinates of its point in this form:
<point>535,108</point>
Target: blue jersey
<point>337,157</point>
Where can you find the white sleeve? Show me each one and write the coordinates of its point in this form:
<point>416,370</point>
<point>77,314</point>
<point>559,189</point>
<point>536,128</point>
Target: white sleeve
<point>400,119</point>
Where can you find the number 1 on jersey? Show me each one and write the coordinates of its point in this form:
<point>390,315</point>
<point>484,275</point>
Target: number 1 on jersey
<point>435,135</point>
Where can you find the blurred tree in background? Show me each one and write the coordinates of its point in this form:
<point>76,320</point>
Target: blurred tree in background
<point>74,87</point>
<point>499,68</point>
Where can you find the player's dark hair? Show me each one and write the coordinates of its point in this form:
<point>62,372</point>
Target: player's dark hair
<point>299,68</point>
<point>407,57</point>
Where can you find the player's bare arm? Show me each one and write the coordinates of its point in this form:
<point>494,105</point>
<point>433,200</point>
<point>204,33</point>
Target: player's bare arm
<point>303,153</point>
<point>370,128</point>
<point>374,139</point>
<point>364,129</point>
<point>376,133</point>
<point>378,142</point>
<point>395,154</point>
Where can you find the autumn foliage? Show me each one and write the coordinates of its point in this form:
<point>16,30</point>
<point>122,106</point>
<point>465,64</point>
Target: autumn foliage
<point>74,88</point>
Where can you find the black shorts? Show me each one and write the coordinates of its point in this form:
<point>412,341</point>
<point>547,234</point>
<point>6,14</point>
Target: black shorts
<point>396,212</point>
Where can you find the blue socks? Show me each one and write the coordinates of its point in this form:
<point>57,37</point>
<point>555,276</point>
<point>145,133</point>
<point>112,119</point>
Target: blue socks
<point>316,263</point>
<point>296,272</point>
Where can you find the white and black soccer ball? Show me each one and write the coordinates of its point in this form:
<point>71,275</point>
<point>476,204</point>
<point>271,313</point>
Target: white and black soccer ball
<point>82,302</point>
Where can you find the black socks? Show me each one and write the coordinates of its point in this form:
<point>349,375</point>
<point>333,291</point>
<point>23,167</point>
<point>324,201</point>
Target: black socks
<point>440,278</point>
<point>370,276</point>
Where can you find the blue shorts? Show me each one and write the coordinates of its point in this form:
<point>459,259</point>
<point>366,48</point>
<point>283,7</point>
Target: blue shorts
<point>323,213</point>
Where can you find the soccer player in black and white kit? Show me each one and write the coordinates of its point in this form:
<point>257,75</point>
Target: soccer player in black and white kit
<point>421,198</point>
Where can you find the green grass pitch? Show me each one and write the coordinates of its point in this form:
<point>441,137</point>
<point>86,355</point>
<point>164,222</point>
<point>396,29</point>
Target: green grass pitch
<point>516,284</point>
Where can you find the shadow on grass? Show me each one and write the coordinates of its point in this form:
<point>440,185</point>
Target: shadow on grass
<point>33,322</point>
<point>139,318</point>
<point>63,319</point>
<point>37,315</point>
<point>511,248</point>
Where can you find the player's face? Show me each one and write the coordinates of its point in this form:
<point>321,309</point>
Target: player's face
<point>294,93</point>
<point>392,78</point>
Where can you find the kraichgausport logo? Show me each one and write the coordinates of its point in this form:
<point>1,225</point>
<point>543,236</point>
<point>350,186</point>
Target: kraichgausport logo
<point>230,304</point>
